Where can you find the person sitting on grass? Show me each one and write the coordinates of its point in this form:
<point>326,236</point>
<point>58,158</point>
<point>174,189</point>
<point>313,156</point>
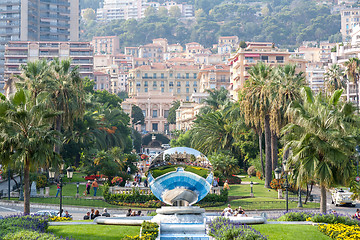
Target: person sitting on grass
<point>357,214</point>
<point>92,214</point>
<point>226,210</point>
<point>97,214</point>
<point>87,216</point>
<point>242,212</point>
<point>226,185</point>
<point>105,213</point>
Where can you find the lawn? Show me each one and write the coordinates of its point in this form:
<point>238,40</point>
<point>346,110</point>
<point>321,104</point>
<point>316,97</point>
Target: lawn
<point>290,232</point>
<point>94,232</point>
<point>70,190</point>
<point>156,172</point>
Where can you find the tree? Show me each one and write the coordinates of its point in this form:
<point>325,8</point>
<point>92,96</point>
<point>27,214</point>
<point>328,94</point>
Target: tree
<point>255,103</point>
<point>321,139</point>
<point>26,135</point>
<point>353,74</point>
<point>334,78</point>
<point>171,119</point>
<point>224,163</point>
<point>216,98</point>
<point>137,115</point>
<point>175,12</point>
<point>89,14</point>
<point>184,140</point>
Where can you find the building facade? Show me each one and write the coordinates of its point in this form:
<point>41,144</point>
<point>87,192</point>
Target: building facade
<point>214,77</point>
<point>20,52</point>
<point>106,45</point>
<point>256,52</point>
<point>350,18</point>
<point>37,20</point>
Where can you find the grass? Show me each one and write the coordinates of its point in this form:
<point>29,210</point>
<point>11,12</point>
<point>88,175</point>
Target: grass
<point>70,190</point>
<point>77,177</point>
<point>94,232</point>
<point>264,198</point>
<point>290,232</point>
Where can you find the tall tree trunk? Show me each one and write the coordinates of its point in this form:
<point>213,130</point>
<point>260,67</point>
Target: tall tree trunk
<point>268,163</point>
<point>57,128</point>
<point>322,199</point>
<point>261,153</point>
<point>357,95</point>
<point>307,193</point>
<point>274,150</point>
<point>26,187</point>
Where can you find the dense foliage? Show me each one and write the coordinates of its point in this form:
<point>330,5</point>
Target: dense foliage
<point>223,229</point>
<point>284,22</point>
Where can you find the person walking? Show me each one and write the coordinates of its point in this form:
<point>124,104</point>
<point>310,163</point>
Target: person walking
<point>88,186</point>
<point>95,186</point>
<point>226,185</point>
<point>58,189</point>
<point>128,170</point>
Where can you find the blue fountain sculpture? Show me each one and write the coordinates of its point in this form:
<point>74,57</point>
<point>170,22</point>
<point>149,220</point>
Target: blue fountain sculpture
<point>180,176</point>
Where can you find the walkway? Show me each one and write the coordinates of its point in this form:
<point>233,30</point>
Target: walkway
<point>4,185</point>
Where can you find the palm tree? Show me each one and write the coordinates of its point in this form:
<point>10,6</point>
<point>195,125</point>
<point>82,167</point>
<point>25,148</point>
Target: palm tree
<point>216,99</point>
<point>26,135</point>
<point>320,138</point>
<point>255,102</point>
<point>353,73</point>
<point>285,87</point>
<point>334,78</point>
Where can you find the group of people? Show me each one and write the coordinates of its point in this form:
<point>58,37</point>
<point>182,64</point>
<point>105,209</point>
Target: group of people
<point>131,213</point>
<point>66,214</point>
<point>95,213</point>
<point>237,212</point>
<point>90,185</point>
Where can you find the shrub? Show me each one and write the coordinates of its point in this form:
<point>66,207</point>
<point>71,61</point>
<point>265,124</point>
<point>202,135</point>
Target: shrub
<point>134,197</point>
<point>150,229</point>
<point>213,198</point>
<point>251,171</point>
<point>277,184</point>
<point>41,181</point>
<point>295,216</point>
<point>30,235</point>
<point>223,229</point>
<point>59,219</point>
<point>231,180</point>
<point>259,175</point>
<point>340,231</point>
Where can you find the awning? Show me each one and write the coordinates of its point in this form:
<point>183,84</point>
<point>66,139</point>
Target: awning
<point>252,55</point>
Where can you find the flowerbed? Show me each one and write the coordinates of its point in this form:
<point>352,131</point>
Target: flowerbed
<point>149,231</point>
<point>59,219</point>
<point>25,227</point>
<point>223,229</point>
<point>340,231</point>
<point>92,177</point>
<point>148,204</point>
<point>330,218</point>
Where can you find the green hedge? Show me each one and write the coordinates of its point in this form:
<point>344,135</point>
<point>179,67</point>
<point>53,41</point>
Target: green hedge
<point>214,198</point>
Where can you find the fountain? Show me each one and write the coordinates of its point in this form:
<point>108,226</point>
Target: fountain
<point>179,177</point>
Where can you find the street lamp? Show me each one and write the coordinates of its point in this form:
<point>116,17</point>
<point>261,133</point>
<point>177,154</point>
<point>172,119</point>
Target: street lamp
<point>286,169</point>
<point>277,177</point>
<point>61,175</point>
<point>77,190</point>
<point>251,191</point>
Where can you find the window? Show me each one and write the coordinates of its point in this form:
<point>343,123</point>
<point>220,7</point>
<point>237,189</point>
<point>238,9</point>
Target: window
<point>102,86</point>
<point>178,84</point>
<point>166,113</point>
<point>154,75</point>
<point>162,75</point>
<point>137,89</point>
<point>187,84</point>
<point>146,83</point>
<point>195,89</point>
<point>195,84</point>
<point>162,89</point>
<point>144,113</point>
<point>154,84</point>
<point>195,75</point>
<point>187,98</point>
<point>146,89</point>
<point>178,90</point>
<point>280,59</point>
<point>171,75</point>
<point>187,75</point>
<point>264,58</point>
<point>171,84</point>
<point>178,75</point>
<point>155,114</point>
<point>155,127</point>
<point>138,84</point>
<point>146,75</point>
<point>162,84</point>
<point>187,90</point>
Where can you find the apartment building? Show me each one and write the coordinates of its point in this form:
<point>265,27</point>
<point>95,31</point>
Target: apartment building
<point>186,115</point>
<point>315,74</point>
<point>121,9</point>
<point>106,45</point>
<point>180,80</point>
<point>20,52</point>
<point>37,20</point>
<point>255,52</point>
<point>214,77</point>
<point>186,10</point>
<point>102,81</point>
<point>155,106</point>
<point>227,44</point>
<point>350,18</point>
<point>153,52</point>
<point>325,51</point>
